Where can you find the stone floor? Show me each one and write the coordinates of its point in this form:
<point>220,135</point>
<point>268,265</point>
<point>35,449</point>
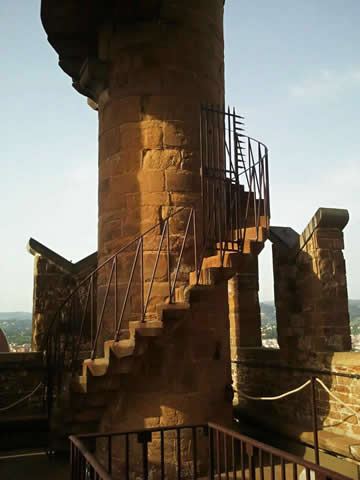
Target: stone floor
<point>33,466</point>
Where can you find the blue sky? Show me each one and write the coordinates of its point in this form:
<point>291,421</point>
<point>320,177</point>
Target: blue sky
<point>292,69</point>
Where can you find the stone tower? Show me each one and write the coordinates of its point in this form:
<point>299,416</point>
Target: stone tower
<point>145,66</point>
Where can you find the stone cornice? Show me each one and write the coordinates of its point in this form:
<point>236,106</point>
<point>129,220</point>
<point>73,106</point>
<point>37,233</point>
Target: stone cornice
<point>336,218</point>
<point>36,248</point>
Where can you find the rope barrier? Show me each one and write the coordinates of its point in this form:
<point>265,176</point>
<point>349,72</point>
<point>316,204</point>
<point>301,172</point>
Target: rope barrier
<point>298,389</point>
<point>278,397</point>
<point>2,409</point>
<point>337,399</point>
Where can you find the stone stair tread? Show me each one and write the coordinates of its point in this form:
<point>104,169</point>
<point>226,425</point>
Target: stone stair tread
<point>98,367</point>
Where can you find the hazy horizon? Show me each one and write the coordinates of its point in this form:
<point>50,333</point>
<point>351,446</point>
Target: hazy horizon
<point>292,69</point>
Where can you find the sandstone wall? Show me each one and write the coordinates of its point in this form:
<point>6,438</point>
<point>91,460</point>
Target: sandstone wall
<point>20,373</point>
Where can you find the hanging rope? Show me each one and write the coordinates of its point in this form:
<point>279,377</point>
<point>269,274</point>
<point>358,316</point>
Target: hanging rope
<point>337,399</point>
<point>291,392</point>
<point>2,409</point>
<point>278,397</point>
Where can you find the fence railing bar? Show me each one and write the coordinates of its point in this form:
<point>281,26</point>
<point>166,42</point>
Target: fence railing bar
<point>123,308</point>
<point>93,353</point>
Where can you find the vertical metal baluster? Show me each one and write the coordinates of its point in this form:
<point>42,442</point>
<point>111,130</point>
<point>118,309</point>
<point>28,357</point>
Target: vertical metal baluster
<point>92,312</point>
<point>267,186</point>
<point>308,474</point>
<point>219,175</point>
<point>178,445</point>
<point>251,466</point>
<point>283,473</point>
<point>194,441</point>
<point>314,419</point>
<point>261,463</point>
<point>127,457</point>
<point>195,240</point>
<point>71,460</point>
<point>162,460</point>
<point>272,466</point>
<point>218,454</point>
<point>145,460</point>
<point>294,471</point>
<point>109,454</point>
<point>142,286</point>
<point>211,453</point>
<point>115,294</point>
<point>233,457</point>
<point>242,460</point>
<point>226,457</point>
<point>168,258</point>
<point>202,169</point>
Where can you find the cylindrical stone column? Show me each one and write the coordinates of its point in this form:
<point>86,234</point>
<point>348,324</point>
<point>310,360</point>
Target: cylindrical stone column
<point>149,133</point>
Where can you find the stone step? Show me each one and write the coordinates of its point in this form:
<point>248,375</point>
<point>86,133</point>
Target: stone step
<point>106,383</point>
<point>172,311</point>
<point>152,328</point>
<point>211,276</point>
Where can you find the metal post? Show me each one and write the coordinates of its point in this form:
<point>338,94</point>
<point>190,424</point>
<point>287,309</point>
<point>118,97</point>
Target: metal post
<point>314,417</point>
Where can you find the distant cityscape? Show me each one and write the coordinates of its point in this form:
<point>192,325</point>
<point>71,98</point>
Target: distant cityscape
<point>18,325</point>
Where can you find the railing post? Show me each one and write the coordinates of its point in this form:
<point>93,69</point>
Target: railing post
<point>314,418</point>
<point>168,259</point>
<point>195,241</point>
<point>143,438</point>
<point>211,454</point>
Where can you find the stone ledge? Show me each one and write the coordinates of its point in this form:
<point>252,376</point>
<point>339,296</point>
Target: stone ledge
<point>284,236</point>
<point>22,359</point>
<point>336,218</point>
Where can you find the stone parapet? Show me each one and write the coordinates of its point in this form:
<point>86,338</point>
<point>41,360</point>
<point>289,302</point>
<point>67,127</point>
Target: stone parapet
<point>54,279</point>
<point>310,285</point>
<point>20,374</point>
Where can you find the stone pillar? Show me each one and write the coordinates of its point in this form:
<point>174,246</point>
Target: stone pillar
<point>244,307</point>
<point>321,283</point>
<point>149,160</point>
<point>310,287</point>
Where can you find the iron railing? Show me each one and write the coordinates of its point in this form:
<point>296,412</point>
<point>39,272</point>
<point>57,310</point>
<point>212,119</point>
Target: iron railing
<point>78,324</point>
<point>216,453</point>
<point>234,180</point>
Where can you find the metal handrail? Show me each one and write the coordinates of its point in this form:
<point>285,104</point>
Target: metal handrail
<point>234,178</point>
<point>56,345</point>
<point>229,452</point>
<point>284,456</point>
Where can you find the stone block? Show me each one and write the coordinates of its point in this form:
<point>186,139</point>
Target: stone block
<point>125,183</point>
<point>174,135</point>
<point>151,180</point>
<point>152,135</point>
<point>110,143</point>
<point>131,136</point>
<point>149,264</point>
<point>124,161</point>
<point>182,182</point>
<point>119,111</point>
<point>162,159</point>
